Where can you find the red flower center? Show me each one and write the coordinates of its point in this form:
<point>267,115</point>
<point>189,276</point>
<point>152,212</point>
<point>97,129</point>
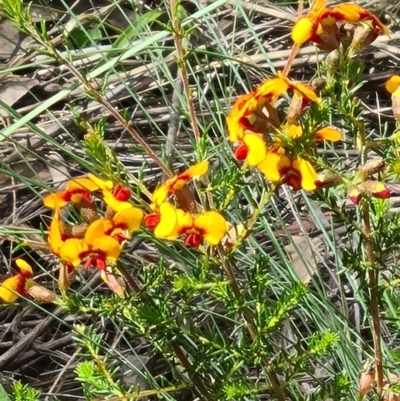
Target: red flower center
<point>98,260</point>
<point>122,193</point>
<point>241,152</point>
<point>194,240</point>
<point>291,177</point>
<point>151,220</point>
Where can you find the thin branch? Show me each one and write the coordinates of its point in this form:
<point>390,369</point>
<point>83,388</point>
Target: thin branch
<point>181,45</point>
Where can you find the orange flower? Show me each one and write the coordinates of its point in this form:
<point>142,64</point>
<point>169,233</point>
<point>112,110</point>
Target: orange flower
<point>78,192</point>
<point>18,284</point>
<point>281,84</point>
<point>116,198</point>
<point>101,243</point>
<point>327,134</point>
<point>210,226</point>
<point>320,25</point>
<point>97,247</point>
<point>393,86</point>
<point>254,112</point>
<point>56,234</point>
<point>177,183</point>
<point>252,148</point>
<point>278,167</point>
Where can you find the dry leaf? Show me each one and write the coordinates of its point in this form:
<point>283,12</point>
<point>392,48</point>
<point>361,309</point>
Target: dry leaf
<point>11,40</point>
<point>13,88</point>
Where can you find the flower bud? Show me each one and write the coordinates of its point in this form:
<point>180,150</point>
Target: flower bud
<point>318,84</point>
<point>122,193</point>
<point>363,36</point>
<point>66,276</point>
<point>354,194</point>
<point>333,60</point>
<point>241,152</point>
<point>89,213</point>
<point>296,111</point>
<point>396,105</point>
<point>346,34</point>
<point>371,167</point>
<point>328,180</point>
<point>41,295</point>
<point>77,231</point>
<point>376,189</point>
<point>151,220</point>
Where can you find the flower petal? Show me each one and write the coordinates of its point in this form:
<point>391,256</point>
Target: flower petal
<point>393,83</point>
<point>168,226</point>
<point>212,225</point>
<point>159,196</point>
<point>113,203</point>
<point>184,220</point>
<point>272,165</point>
<point>328,134</point>
<point>97,229</point>
<point>10,288</point>
<point>196,170</point>
<point>82,183</point>
<point>240,108</point>
<point>303,30</point>
<point>257,149</point>
<point>107,245</point>
<point>100,184</point>
<point>273,87</point>
<point>308,174</point>
<point>55,201</point>
<point>349,12</point>
<point>24,268</point>
<point>73,250</point>
<point>294,131</point>
<point>129,219</point>
<point>55,234</point>
<point>305,91</point>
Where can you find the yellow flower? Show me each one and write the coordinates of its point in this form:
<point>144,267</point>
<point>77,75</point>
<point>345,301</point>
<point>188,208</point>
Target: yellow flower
<point>278,167</point>
<point>393,86</point>
<point>320,25</point>
<point>177,183</point>
<point>251,113</point>
<point>328,134</point>
<point>56,234</point>
<point>102,239</point>
<point>210,226</point>
<point>77,192</point>
<point>97,248</point>
<point>276,86</point>
<point>116,198</point>
<point>252,149</point>
<point>18,284</point>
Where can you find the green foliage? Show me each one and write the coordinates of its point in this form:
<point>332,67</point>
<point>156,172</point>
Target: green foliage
<point>252,317</point>
<point>23,392</point>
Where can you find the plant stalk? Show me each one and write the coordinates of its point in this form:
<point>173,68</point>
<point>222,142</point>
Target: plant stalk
<point>373,279</point>
<point>196,379</point>
<point>181,52</point>
<point>276,387</point>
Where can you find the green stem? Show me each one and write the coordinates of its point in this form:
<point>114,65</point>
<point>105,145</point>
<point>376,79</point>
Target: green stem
<point>196,379</point>
<point>273,378</point>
